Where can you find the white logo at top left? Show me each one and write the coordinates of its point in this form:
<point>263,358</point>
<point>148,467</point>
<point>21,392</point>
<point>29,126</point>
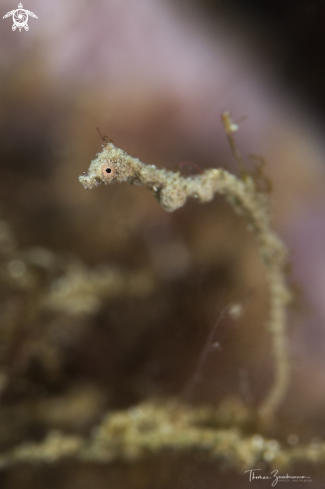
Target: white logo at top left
<point>20,18</point>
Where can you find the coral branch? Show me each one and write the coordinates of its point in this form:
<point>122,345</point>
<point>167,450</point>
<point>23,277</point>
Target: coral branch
<point>172,190</point>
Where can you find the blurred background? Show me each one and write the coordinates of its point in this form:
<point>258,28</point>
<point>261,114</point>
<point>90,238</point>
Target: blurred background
<point>154,76</point>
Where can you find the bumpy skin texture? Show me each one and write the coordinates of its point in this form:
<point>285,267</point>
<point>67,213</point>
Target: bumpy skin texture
<point>172,190</point>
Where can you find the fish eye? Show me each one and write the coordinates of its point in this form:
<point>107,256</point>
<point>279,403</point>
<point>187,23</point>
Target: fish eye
<point>107,171</point>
